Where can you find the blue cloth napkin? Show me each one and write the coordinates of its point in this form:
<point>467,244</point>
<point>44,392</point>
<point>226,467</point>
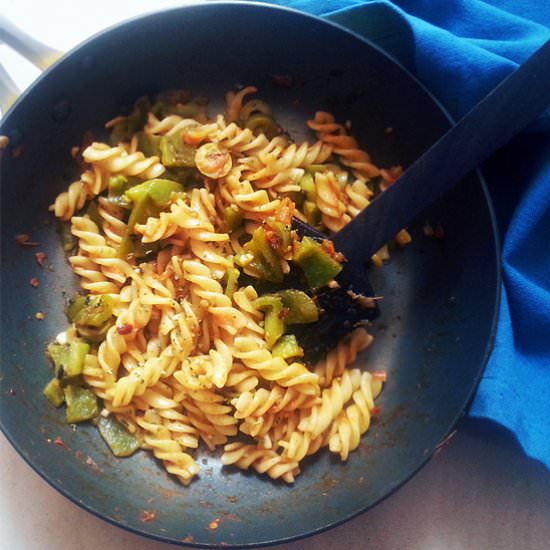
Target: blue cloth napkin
<point>463,49</point>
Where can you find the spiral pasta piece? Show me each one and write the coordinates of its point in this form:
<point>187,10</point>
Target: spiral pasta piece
<point>354,421</point>
<point>255,355</point>
<point>333,400</point>
<point>275,400</point>
<point>331,201</point>
<point>165,448</point>
<point>116,160</point>
<point>206,371</point>
<point>113,226</point>
<point>180,427</point>
<point>91,183</point>
<point>264,461</point>
<point>234,102</point>
<point>344,354</point>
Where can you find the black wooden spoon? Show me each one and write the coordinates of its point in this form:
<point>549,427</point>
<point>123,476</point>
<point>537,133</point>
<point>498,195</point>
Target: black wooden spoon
<point>503,113</point>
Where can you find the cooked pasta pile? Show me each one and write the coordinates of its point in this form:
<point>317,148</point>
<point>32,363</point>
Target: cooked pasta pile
<point>177,347</point>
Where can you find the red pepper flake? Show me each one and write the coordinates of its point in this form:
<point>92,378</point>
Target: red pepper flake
<point>24,240</point>
<point>286,211</point>
<point>284,313</point>
<point>272,238</point>
<point>214,524</point>
<point>61,443</point>
<point>188,538</point>
<point>34,282</point>
<point>282,80</point>
<point>78,454</point>
<point>147,515</point>
<point>381,375</point>
<point>375,411</point>
<point>125,329</point>
<point>40,257</point>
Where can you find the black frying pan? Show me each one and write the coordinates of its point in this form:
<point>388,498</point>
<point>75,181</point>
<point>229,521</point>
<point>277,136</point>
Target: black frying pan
<point>440,295</point>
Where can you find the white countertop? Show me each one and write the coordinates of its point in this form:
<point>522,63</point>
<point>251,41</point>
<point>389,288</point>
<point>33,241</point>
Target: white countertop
<point>480,491</point>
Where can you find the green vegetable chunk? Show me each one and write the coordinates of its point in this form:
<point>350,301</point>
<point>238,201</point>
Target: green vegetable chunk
<point>287,347</point>
<point>157,190</point>
<point>68,360</point>
<point>91,310</point>
<point>254,106</point>
<point>318,266</point>
<point>81,404</point>
<point>232,277</point>
<point>120,441</point>
<point>308,186</point>
<point>268,245</point>
<point>147,200</point>
<point>299,307</point>
<point>233,217</point>
<point>261,123</point>
<point>68,240</point>
<point>274,325</point>
<point>54,392</point>
<point>312,212</point>
<point>149,144</point>
<point>175,153</point>
<point>135,121</point>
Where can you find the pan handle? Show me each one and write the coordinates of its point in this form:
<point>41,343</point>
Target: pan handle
<point>39,54</point>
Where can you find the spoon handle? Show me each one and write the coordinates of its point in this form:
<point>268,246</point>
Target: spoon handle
<point>503,113</point>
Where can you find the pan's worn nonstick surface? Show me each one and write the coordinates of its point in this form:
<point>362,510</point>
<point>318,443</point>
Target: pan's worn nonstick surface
<point>440,294</point>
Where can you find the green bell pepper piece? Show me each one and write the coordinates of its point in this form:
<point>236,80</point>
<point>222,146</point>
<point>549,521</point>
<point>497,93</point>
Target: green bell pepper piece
<point>135,121</point>
<point>233,217</point>
<point>149,144</point>
<point>312,212</point>
<point>300,308</point>
<point>274,325</point>
<point>54,392</point>
<point>261,123</point>
<point>68,240</point>
<point>91,310</point>
<point>68,360</point>
<point>268,245</point>
<point>175,153</point>
<point>119,440</point>
<point>318,266</point>
<point>254,106</point>
<point>287,347</point>
<point>82,404</point>
<point>232,278</point>
<point>266,263</point>
<point>158,190</point>
<point>307,185</point>
<point>147,200</point>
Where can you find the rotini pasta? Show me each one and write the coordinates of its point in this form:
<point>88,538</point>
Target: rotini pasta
<point>184,328</point>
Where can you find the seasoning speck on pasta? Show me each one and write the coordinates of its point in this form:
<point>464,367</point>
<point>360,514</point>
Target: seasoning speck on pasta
<point>179,229</point>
